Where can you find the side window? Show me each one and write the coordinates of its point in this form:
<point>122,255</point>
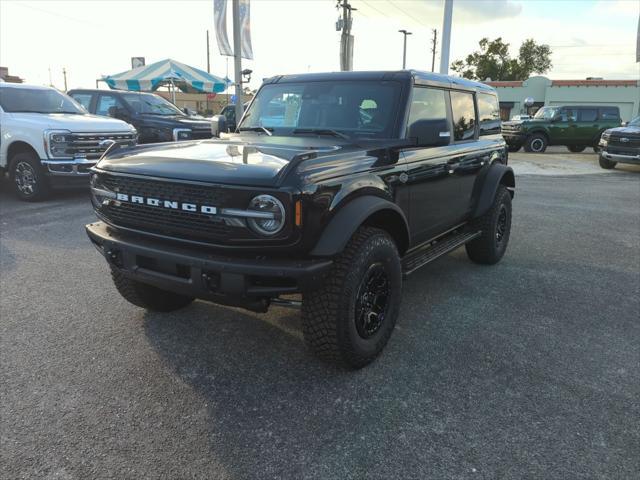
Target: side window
<point>83,99</point>
<point>105,102</point>
<point>588,115</point>
<point>464,116</point>
<point>489,113</point>
<point>609,113</point>
<point>230,114</point>
<point>427,104</point>
<point>568,115</point>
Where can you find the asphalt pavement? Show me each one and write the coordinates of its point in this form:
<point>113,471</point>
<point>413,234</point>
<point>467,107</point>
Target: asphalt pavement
<point>526,369</point>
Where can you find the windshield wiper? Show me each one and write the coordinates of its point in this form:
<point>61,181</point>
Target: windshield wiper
<point>257,129</point>
<point>322,131</point>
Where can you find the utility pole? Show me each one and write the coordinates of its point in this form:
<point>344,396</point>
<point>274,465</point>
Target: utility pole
<point>404,50</point>
<point>434,43</point>
<point>446,36</point>
<point>64,73</point>
<point>237,59</point>
<point>346,39</point>
<point>208,55</point>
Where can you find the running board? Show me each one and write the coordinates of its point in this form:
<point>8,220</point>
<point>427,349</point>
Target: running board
<point>435,249</point>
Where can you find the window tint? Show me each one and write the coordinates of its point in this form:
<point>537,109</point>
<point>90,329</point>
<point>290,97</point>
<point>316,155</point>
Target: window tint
<point>427,104</point>
<point>588,115</point>
<point>105,102</point>
<point>489,113</point>
<point>83,99</point>
<point>609,113</point>
<point>464,115</point>
<point>568,115</point>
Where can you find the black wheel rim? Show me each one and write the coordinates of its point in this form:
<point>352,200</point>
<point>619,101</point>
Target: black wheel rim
<point>536,145</point>
<point>372,301</point>
<point>25,178</point>
<point>501,226</point>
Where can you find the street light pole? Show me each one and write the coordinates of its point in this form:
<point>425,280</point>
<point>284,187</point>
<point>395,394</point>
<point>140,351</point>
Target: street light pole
<point>404,50</point>
<point>446,36</point>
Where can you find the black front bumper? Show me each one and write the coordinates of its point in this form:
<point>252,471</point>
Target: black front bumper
<point>514,138</point>
<point>246,282</point>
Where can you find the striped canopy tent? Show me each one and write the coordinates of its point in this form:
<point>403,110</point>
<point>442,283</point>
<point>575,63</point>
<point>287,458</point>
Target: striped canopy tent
<point>166,73</point>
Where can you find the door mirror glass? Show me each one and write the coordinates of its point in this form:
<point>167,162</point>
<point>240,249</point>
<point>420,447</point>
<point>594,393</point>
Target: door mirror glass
<point>430,133</point>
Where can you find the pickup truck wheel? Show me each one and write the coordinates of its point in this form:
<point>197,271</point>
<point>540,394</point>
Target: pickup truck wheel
<point>576,148</point>
<point>514,148</point>
<point>495,225</point>
<point>536,143</point>
<point>606,164</point>
<point>28,178</point>
<point>349,319</point>
<point>148,296</point>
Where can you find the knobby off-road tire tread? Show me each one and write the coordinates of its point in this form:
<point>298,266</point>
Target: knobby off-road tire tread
<point>482,249</point>
<point>148,296</point>
<point>322,309</point>
<point>606,164</point>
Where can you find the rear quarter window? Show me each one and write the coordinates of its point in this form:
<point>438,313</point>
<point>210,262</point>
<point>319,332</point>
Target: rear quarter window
<point>609,113</point>
<point>489,114</point>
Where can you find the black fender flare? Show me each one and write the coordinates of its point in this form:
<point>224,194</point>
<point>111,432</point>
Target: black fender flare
<point>349,218</point>
<point>497,174</point>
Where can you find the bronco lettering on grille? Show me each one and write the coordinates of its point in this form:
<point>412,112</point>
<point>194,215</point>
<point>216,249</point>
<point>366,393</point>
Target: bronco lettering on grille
<point>156,202</point>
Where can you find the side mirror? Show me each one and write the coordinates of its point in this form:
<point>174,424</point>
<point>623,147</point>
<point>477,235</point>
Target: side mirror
<point>218,125</point>
<point>430,133</point>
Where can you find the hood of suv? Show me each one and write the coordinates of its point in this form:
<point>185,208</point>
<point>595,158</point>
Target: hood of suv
<point>241,160</point>
<point>74,123</point>
<point>630,130</point>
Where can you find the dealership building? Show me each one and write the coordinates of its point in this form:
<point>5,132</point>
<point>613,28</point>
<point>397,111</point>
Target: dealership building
<point>624,94</point>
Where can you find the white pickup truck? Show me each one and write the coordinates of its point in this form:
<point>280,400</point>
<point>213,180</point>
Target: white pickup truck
<point>48,140</point>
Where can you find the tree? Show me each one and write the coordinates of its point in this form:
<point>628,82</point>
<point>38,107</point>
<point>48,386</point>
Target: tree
<point>493,61</point>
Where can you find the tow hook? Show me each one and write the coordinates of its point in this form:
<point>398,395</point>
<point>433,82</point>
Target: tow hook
<point>114,257</point>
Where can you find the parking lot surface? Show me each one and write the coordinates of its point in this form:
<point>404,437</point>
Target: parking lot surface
<point>527,369</point>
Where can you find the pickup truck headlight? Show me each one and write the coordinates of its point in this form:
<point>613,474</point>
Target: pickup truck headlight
<point>269,215</point>
<point>56,143</point>
<point>181,134</point>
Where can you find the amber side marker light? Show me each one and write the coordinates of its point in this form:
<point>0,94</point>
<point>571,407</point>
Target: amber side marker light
<point>298,213</point>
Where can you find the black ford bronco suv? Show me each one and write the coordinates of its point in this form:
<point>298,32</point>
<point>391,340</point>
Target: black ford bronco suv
<point>576,127</point>
<point>335,186</point>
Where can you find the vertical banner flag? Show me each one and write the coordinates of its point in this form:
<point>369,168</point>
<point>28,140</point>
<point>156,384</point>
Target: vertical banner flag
<point>220,21</point>
<point>638,41</point>
<point>245,29</point>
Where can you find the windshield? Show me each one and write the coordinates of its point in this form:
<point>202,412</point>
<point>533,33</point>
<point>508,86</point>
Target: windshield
<point>351,108</point>
<point>38,100</point>
<point>546,113</point>
<point>150,103</point>
<point>635,122</point>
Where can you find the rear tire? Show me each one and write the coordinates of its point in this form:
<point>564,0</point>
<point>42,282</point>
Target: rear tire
<point>28,178</point>
<point>148,296</point>
<point>576,148</point>
<point>536,143</point>
<point>495,225</point>
<point>606,164</point>
<point>349,319</point>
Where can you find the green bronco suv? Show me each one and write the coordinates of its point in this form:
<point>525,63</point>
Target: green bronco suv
<point>576,127</point>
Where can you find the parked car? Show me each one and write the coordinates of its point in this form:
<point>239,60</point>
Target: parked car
<point>156,119</point>
<point>229,112</point>
<point>48,140</point>
<point>327,200</point>
<point>620,145</point>
<point>576,127</point>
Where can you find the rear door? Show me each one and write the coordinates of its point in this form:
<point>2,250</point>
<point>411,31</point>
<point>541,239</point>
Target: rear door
<point>587,125</point>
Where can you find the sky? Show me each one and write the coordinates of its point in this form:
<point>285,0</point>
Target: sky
<point>92,38</point>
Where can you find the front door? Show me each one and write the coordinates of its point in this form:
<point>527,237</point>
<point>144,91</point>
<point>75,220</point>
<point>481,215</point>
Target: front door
<point>563,127</point>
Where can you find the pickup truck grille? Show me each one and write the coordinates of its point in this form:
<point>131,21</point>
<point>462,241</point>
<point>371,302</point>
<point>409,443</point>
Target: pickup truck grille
<point>632,141</point>
<point>86,145</point>
<point>201,133</point>
<point>172,222</point>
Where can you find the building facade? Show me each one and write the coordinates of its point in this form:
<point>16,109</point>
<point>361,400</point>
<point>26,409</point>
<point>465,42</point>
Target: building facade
<point>624,94</point>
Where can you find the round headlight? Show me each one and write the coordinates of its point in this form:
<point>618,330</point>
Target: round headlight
<point>273,218</point>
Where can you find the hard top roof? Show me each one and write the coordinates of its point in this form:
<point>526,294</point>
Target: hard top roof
<point>418,77</point>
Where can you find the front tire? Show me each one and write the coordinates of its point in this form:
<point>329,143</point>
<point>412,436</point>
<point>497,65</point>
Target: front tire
<point>605,163</point>
<point>349,319</point>
<point>536,143</point>
<point>495,225</point>
<point>28,178</point>
<point>148,296</point>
